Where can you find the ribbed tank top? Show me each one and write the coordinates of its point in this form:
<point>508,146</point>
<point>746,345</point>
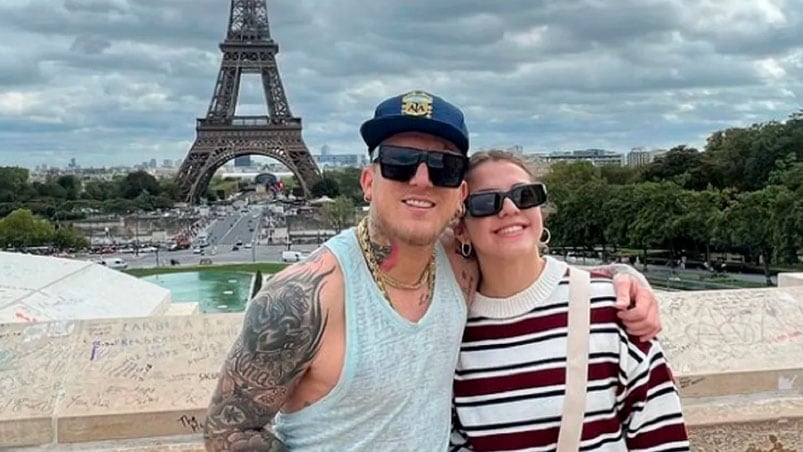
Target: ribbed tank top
<point>395,389</point>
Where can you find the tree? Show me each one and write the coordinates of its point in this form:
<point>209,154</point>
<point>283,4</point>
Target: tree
<point>619,175</point>
<point>21,229</point>
<point>657,212</point>
<point>13,182</point>
<point>747,224</point>
<point>677,162</point>
<point>290,183</point>
<point>50,189</point>
<point>325,187</point>
<point>65,238</point>
<point>575,222</point>
<point>725,155</point>
<point>71,186</point>
<point>100,190</point>
<point>168,188</point>
<point>563,177</point>
<point>339,214</point>
<point>700,214</point>
<point>133,184</point>
<point>787,224</point>
<point>348,183</point>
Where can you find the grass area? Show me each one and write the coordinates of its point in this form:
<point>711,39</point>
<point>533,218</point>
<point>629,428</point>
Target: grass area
<point>264,267</point>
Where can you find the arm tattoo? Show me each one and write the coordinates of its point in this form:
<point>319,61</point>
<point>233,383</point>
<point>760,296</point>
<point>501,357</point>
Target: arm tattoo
<point>281,335</point>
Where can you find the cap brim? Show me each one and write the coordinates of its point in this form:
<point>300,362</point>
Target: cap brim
<point>375,131</point>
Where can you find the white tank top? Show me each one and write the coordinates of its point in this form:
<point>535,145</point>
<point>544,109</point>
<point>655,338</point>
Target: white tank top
<point>395,390</point>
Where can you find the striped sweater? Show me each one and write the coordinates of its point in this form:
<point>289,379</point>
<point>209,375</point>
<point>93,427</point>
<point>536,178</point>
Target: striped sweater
<point>510,378</point>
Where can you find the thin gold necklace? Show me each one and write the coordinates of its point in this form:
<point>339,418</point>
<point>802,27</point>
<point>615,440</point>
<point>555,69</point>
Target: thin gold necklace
<point>382,279</point>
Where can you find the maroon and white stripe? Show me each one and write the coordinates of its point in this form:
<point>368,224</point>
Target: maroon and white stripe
<point>510,382</point>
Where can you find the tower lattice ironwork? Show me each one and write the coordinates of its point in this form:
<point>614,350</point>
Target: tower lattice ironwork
<point>221,135</point>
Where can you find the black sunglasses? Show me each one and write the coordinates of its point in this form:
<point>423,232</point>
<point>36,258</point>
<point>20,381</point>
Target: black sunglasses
<point>401,163</point>
<point>490,203</point>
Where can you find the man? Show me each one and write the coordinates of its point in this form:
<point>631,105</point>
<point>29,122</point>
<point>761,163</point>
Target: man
<point>354,348</point>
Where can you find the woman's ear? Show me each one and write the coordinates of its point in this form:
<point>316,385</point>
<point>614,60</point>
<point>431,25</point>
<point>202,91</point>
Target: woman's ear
<point>460,232</point>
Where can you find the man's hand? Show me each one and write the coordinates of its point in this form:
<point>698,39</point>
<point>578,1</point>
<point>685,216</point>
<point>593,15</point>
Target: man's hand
<point>636,300</point>
<point>638,305</point>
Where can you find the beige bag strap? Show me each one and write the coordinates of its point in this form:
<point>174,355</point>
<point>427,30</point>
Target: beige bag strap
<point>579,322</point>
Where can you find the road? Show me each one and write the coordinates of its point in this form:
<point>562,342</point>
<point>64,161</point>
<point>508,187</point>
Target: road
<point>224,255</point>
<point>222,234</point>
<point>234,227</point>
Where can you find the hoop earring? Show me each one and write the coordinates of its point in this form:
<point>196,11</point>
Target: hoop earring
<point>458,215</point>
<point>366,198</point>
<point>466,249</point>
<point>548,237</point>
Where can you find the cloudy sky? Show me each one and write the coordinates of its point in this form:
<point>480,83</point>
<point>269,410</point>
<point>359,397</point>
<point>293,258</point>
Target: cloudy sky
<point>122,81</point>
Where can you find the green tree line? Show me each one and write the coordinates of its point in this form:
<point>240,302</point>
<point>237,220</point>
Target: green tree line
<point>39,213</point>
<point>21,230</point>
<point>743,195</point>
<point>67,197</point>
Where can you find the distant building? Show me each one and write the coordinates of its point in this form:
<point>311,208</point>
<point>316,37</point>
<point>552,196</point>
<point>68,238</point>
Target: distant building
<point>537,164</point>
<point>242,161</point>
<point>597,157</point>
<point>640,156</point>
<point>338,160</point>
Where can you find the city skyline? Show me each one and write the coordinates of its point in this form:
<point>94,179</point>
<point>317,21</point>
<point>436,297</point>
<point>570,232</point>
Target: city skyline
<point>121,81</point>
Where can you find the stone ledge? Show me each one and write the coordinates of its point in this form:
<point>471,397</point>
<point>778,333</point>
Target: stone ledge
<point>184,443</point>
<point>82,382</point>
<point>755,423</point>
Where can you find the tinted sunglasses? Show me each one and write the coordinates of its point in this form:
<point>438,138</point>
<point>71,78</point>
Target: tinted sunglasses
<point>401,163</point>
<point>486,204</point>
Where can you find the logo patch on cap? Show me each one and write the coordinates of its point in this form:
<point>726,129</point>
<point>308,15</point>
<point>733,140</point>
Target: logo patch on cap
<point>417,103</point>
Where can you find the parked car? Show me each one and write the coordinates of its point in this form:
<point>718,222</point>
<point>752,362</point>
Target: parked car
<point>293,256</point>
<point>115,263</point>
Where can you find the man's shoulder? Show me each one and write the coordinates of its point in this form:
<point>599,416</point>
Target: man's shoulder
<point>316,277</point>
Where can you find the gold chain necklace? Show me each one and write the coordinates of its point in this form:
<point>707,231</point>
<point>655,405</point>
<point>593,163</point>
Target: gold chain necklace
<point>383,278</point>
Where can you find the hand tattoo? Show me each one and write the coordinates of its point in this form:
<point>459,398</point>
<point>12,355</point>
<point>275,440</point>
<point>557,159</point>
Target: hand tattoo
<point>281,335</point>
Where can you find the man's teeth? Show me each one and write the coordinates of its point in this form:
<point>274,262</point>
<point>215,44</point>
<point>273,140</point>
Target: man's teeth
<point>418,203</point>
<point>510,230</point>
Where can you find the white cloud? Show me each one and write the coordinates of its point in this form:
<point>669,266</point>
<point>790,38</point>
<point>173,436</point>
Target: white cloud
<point>125,79</point>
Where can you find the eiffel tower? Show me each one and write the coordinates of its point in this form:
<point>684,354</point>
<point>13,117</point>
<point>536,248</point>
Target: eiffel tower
<point>221,135</point>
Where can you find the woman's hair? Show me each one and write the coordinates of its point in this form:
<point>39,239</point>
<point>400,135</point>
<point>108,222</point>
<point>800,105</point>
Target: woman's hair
<point>496,155</point>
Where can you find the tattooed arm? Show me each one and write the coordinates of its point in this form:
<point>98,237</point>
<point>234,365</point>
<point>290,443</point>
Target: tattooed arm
<point>281,335</point>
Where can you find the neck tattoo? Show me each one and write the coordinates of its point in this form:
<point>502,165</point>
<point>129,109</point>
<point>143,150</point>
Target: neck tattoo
<point>376,255</point>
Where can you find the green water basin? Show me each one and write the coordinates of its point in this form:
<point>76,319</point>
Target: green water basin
<point>213,291</point>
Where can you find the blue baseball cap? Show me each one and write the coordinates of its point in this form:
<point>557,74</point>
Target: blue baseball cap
<point>416,111</point>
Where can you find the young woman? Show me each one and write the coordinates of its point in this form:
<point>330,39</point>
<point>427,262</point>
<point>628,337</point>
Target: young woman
<point>510,380</point>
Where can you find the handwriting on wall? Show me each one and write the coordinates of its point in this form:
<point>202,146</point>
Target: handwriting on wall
<point>33,363</point>
<point>191,423</point>
<point>132,365</point>
<point>723,326</point>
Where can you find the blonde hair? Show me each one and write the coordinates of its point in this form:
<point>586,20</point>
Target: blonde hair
<point>497,155</point>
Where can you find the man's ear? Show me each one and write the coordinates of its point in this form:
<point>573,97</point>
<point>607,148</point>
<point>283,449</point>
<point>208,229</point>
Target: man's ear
<point>367,182</point>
